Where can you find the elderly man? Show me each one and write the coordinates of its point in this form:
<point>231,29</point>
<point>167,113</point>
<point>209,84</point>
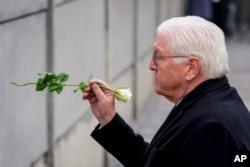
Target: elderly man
<point>209,124</point>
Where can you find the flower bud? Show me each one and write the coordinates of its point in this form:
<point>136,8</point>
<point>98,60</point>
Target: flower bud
<point>122,94</point>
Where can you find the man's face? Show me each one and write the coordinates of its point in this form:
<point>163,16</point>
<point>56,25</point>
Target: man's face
<point>169,76</point>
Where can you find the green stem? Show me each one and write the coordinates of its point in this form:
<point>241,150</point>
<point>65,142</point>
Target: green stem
<point>25,84</point>
<point>104,87</point>
<point>70,85</point>
<point>34,83</point>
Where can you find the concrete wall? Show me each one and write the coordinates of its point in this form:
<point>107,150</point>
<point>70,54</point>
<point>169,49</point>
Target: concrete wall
<point>111,39</point>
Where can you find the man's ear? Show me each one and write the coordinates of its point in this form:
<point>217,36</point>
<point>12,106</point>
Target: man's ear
<point>193,68</point>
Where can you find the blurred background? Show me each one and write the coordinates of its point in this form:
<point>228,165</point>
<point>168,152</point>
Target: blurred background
<point>111,39</point>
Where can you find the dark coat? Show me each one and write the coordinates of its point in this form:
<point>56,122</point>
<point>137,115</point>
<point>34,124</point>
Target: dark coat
<point>202,8</point>
<point>206,129</point>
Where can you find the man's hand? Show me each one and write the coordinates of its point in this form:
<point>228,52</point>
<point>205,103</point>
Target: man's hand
<point>102,102</point>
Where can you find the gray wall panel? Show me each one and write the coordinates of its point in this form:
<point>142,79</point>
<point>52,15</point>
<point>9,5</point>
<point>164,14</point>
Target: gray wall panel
<point>16,8</point>
<point>146,25</point>
<point>79,51</point>
<point>23,118</point>
<point>121,39</point>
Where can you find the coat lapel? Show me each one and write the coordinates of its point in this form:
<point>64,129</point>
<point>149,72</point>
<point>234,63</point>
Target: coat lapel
<point>170,120</point>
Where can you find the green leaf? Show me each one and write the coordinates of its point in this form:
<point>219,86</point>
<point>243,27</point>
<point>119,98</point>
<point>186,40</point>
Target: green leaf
<point>63,77</point>
<point>40,74</point>
<point>53,86</point>
<point>89,78</point>
<point>59,89</point>
<point>41,85</point>
<point>40,81</point>
<point>82,86</point>
<point>50,77</point>
<point>76,90</point>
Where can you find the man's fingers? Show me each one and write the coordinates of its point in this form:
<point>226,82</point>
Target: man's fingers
<point>97,81</point>
<point>87,93</point>
<point>98,92</point>
<point>95,91</point>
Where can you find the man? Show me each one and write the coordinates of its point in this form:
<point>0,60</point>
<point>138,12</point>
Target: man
<point>209,124</point>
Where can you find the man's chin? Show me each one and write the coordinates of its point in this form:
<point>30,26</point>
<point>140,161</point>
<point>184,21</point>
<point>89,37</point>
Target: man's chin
<point>157,91</point>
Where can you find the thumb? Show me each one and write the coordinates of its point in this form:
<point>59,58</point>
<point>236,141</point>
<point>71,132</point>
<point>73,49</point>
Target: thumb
<point>98,92</point>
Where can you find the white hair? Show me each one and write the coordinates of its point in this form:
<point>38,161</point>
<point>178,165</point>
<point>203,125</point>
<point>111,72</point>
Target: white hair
<point>195,36</point>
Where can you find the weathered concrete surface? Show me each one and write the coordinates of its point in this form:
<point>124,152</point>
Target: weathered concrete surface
<point>23,118</point>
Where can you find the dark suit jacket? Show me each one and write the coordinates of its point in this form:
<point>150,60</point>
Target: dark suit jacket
<point>205,130</point>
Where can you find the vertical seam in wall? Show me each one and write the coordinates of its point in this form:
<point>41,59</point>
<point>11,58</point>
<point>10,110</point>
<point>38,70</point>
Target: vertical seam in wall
<point>135,58</point>
<point>106,40</point>
<point>107,60</point>
<point>49,68</point>
<point>157,12</point>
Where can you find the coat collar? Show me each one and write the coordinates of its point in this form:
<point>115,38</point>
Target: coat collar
<point>203,89</point>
